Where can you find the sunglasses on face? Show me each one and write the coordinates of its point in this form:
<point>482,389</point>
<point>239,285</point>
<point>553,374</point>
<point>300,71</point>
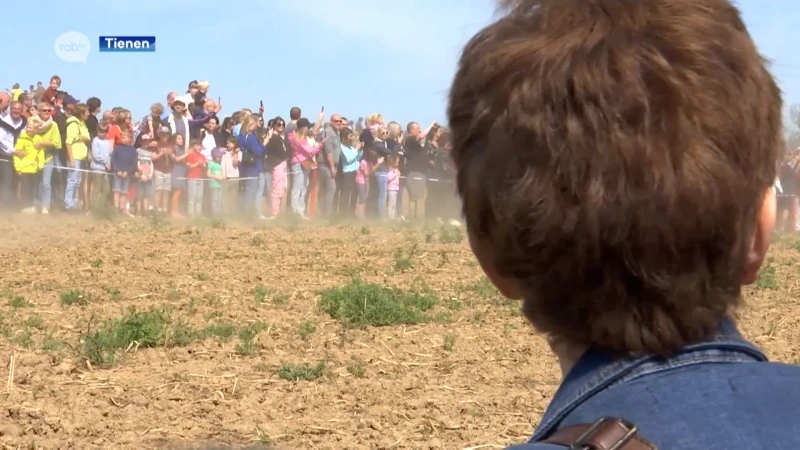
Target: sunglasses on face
<point>280,124</point>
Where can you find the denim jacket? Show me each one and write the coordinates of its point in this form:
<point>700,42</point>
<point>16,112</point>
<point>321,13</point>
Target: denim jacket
<point>722,394</point>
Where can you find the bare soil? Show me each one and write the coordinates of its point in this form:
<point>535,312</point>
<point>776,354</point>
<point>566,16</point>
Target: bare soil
<point>472,375</point>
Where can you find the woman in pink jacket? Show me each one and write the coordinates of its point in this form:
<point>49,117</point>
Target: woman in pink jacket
<point>303,160</point>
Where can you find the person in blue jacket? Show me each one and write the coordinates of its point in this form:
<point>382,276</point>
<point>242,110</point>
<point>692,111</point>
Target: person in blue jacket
<point>616,162</point>
<point>251,167</point>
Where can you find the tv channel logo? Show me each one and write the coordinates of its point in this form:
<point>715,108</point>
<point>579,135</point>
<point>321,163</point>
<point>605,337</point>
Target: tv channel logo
<point>128,44</point>
<point>73,47</point>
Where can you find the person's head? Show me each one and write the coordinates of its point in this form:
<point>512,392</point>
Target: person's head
<point>249,125</point>
<point>69,103</point>
<point>171,98</point>
<point>26,100</point>
<point>124,118</point>
<point>382,133</point>
<point>412,129</point>
<point>192,89</point>
<point>94,104</point>
<point>195,145</point>
<point>216,154</point>
<point>303,127</point>
<point>163,135</point>
<point>227,124</point>
<point>232,144</point>
<point>395,131</point>
<point>444,141</point>
<point>81,111</point>
<point>375,119</point>
<point>260,121</point>
<point>295,113</point>
<point>102,128</point>
<point>371,156</point>
<point>177,139</point>
<point>626,219</point>
<point>44,110</point>
<point>237,117</point>
<point>34,126</point>
<point>108,116</point>
<point>212,125</point>
<point>55,82</point>
<point>5,100</point>
<point>278,124</point>
<point>346,136</point>
<point>126,137</point>
<point>433,134</point>
<point>209,105</point>
<point>33,111</point>
<point>178,107</point>
<point>16,109</point>
<point>202,86</point>
<point>394,161</point>
<point>39,84</point>
<point>336,122</point>
<point>15,86</point>
<point>156,110</point>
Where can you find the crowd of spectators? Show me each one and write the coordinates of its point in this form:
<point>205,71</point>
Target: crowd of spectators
<point>185,159</point>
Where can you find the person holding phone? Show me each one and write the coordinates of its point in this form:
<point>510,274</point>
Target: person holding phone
<point>303,154</point>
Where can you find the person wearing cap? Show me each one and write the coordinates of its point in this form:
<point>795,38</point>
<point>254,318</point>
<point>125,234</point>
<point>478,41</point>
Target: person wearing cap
<point>302,161</point>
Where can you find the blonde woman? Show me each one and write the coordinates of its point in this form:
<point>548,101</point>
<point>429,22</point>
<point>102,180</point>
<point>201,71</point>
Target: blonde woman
<point>394,143</point>
<point>251,167</point>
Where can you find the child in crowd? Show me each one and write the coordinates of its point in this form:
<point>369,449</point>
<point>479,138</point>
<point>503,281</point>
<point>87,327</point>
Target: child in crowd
<point>195,163</point>
<point>162,158</point>
<point>28,161</point>
<point>393,184</point>
<point>216,177</point>
<point>100,164</point>
<point>363,173</point>
<point>52,90</point>
<point>122,122</point>
<point>124,165</point>
<point>179,171</point>
<point>144,172</point>
<point>230,173</point>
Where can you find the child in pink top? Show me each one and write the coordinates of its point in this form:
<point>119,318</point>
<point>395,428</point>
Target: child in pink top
<point>393,184</point>
<point>363,173</point>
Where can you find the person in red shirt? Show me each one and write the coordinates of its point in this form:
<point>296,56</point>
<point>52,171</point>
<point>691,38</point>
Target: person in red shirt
<point>196,163</point>
<point>122,122</point>
<point>50,93</point>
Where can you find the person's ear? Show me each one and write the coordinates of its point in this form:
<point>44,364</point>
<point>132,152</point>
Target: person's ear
<point>765,226</point>
<point>508,287</point>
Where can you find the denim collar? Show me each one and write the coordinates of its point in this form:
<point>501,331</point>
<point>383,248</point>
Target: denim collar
<point>597,370</point>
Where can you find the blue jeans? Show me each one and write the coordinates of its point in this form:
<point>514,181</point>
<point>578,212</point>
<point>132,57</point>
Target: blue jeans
<point>299,187</point>
<point>263,190</point>
<point>261,187</point>
<point>216,201</point>
<point>249,197</point>
<point>73,186</point>
<point>327,190</point>
<point>382,180</point>
<point>46,186</point>
<point>6,176</point>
